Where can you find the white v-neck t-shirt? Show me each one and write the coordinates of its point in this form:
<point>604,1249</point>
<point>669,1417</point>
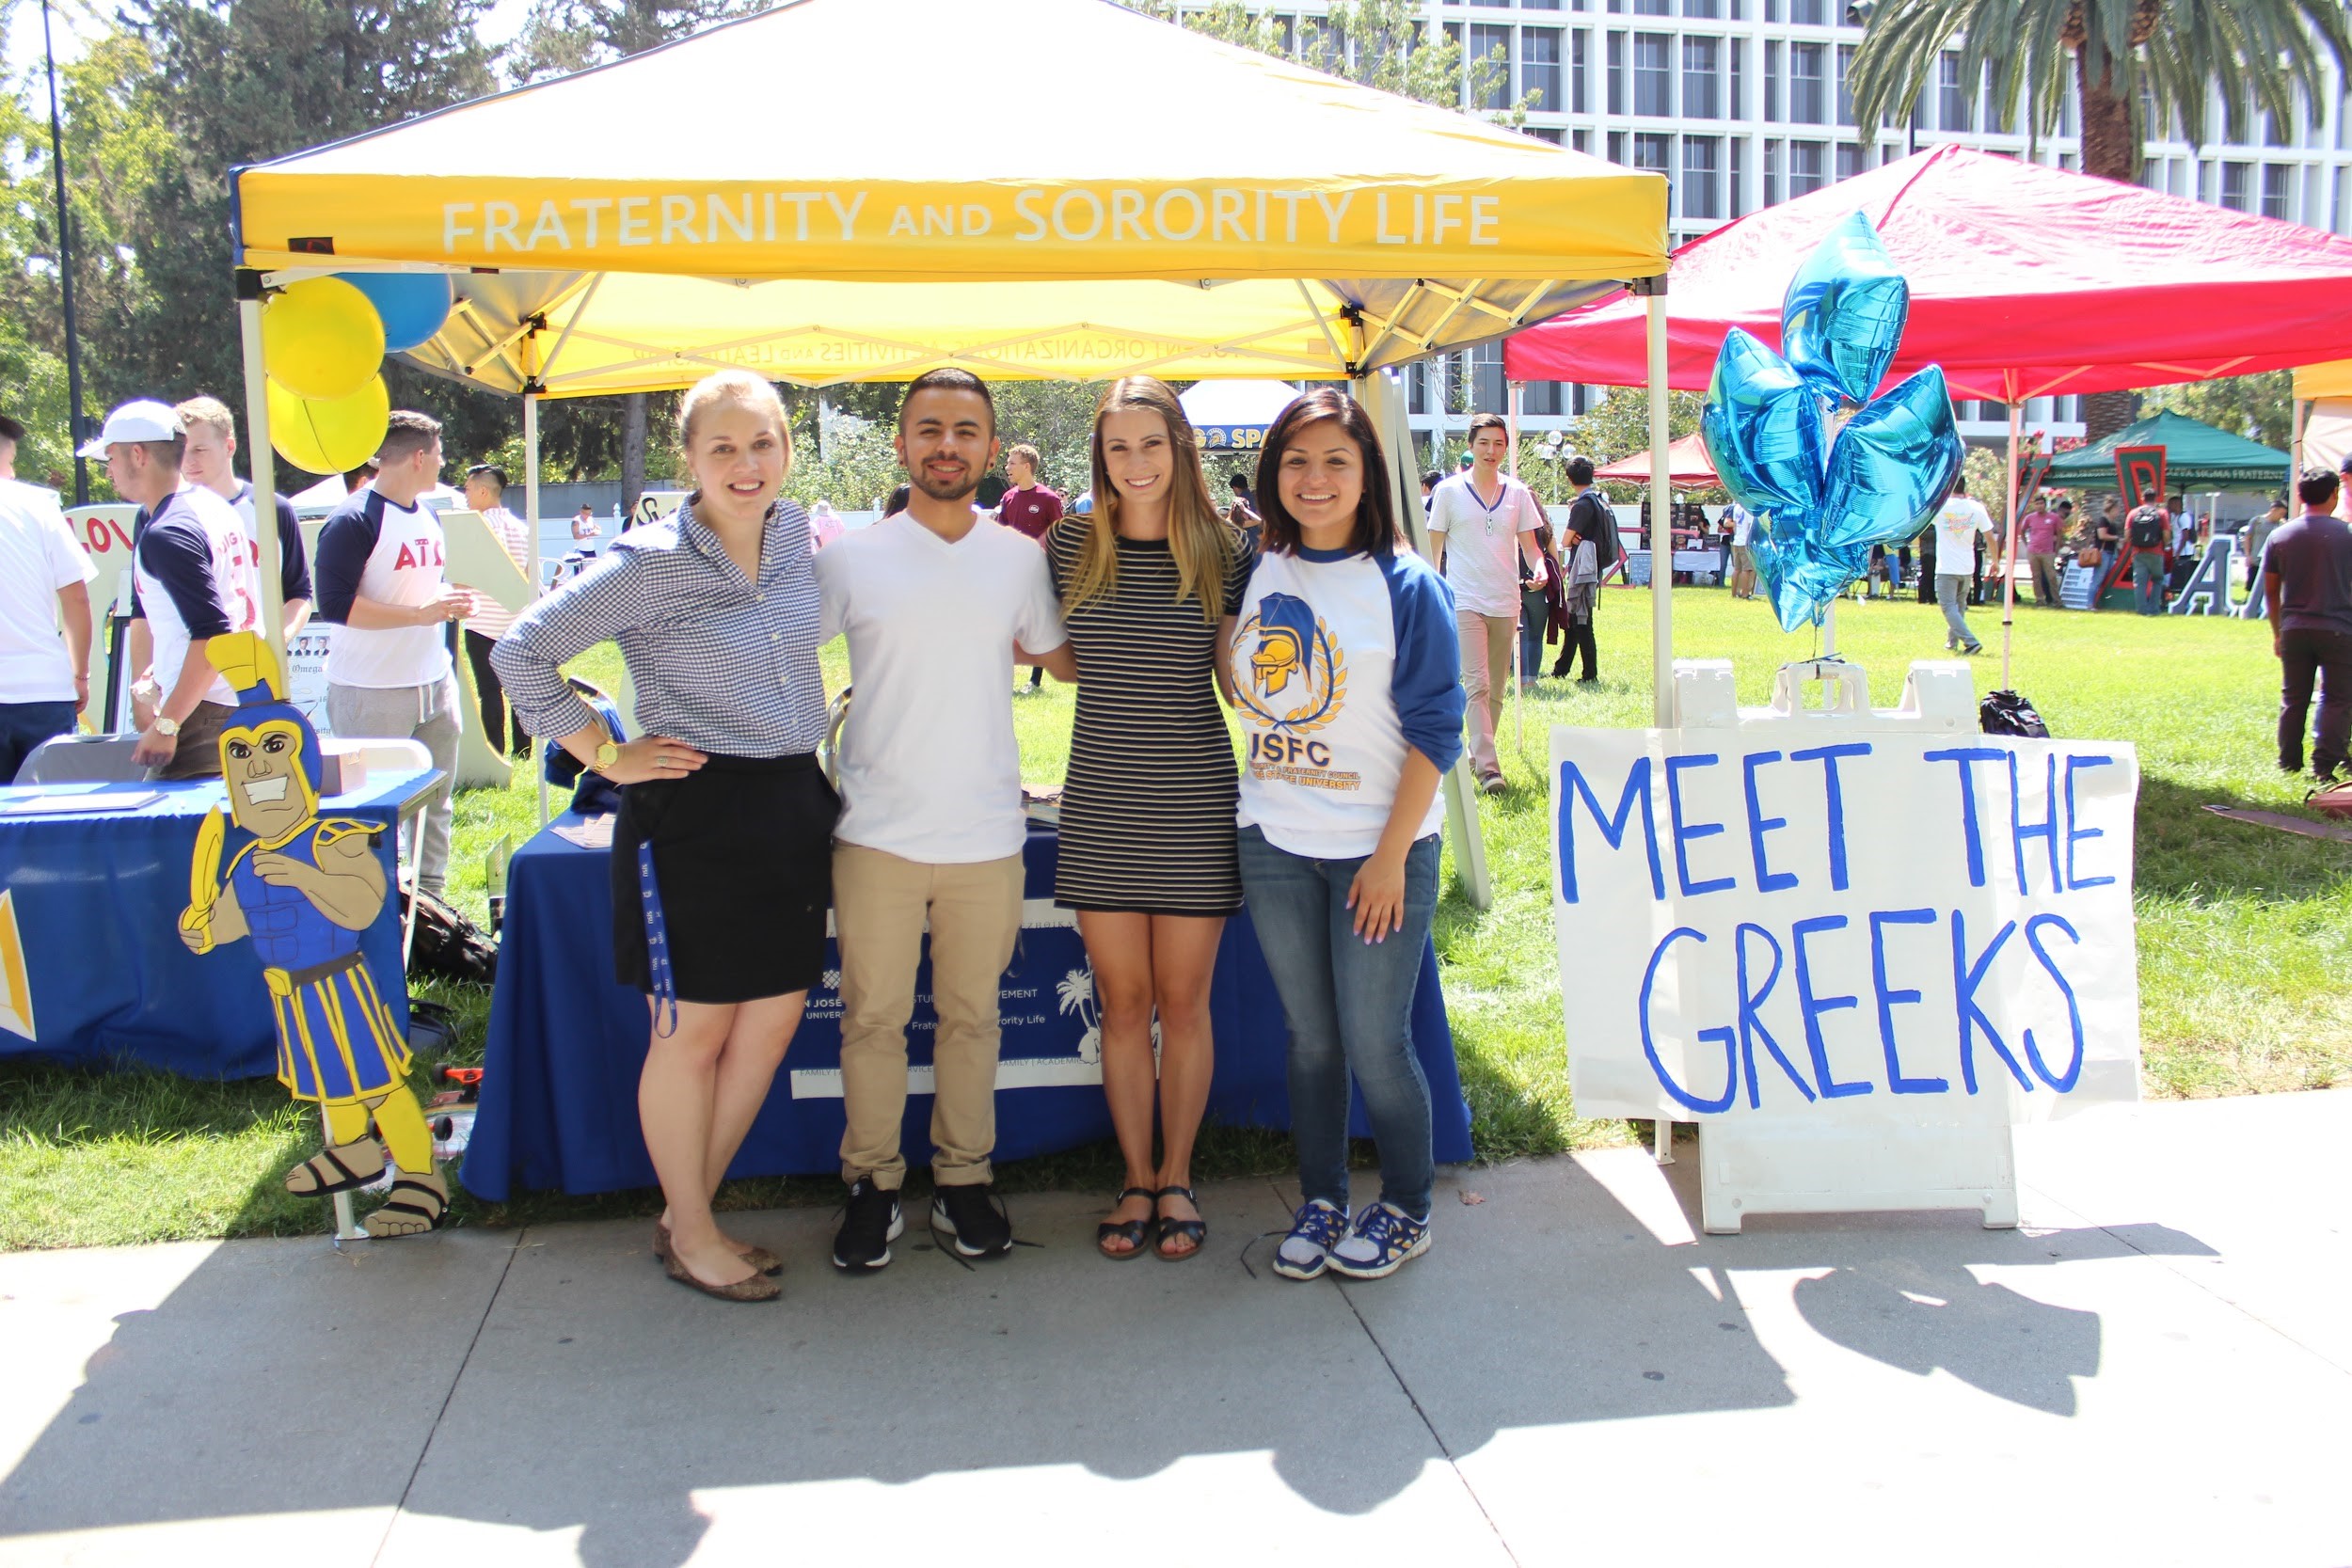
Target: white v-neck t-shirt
<point>1482,542</point>
<point>929,770</point>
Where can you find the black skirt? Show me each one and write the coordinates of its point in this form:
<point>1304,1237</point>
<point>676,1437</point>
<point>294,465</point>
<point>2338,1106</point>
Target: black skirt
<point>742,854</point>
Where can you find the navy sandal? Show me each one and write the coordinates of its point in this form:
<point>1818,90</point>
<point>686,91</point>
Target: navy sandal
<point>1138,1234</point>
<point>1194,1231</point>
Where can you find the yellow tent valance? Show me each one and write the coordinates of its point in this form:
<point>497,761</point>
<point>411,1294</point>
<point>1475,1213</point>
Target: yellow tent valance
<point>2331,380</point>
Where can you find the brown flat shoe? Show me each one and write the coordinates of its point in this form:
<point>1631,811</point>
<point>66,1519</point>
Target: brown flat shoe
<point>758,1288</point>
<point>759,1257</point>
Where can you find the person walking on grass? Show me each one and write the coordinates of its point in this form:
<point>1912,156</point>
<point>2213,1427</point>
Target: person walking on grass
<point>1029,508</point>
<point>723,845</point>
<point>1958,528</point>
<point>2040,530</point>
<point>1482,524</point>
<point>1589,523</point>
<point>1150,587</point>
<point>2147,531</point>
<point>2306,591</point>
<point>1344,679</point>
<point>936,601</point>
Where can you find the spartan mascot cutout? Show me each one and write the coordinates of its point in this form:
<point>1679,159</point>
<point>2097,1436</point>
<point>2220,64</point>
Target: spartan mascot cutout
<point>304,888</point>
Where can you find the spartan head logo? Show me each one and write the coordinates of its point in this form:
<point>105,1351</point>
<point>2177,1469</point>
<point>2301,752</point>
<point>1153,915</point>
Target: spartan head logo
<point>1286,637</point>
<point>1288,674</point>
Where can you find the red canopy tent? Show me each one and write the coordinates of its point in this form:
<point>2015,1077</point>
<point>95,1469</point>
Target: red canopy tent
<point>2025,283</point>
<point>1686,463</point>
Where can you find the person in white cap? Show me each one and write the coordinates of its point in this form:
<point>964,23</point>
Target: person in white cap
<point>45,578</point>
<point>193,578</point>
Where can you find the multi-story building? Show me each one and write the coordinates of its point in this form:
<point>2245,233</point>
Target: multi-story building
<point>1742,104</point>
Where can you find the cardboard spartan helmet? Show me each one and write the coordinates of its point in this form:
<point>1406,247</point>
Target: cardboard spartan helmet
<point>304,888</point>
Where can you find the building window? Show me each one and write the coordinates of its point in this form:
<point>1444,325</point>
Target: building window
<point>1579,96</point>
<point>1809,13</point>
<point>1771,81</point>
<point>1544,133</point>
<point>1807,103</point>
<point>1952,103</point>
<point>1701,183</point>
<point>1490,43</point>
<point>1737,186</point>
<point>2275,178</point>
<point>1582,140</point>
<point>1654,153</point>
<point>1709,8</point>
<point>2233,187</point>
<point>1539,67</point>
<point>1542,5</point>
<point>1653,73</point>
<point>1804,168</point>
<point>1844,90</point>
<point>1616,73</point>
<point>1540,398</point>
<point>1416,387</point>
<point>1738,51</point>
<point>1488,391</point>
<point>1702,59</point>
<point>1775,191</point>
<point>1849,160</point>
<point>1653,8</point>
<point>1616,148</point>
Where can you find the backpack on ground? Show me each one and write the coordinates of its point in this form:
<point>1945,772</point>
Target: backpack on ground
<point>446,945</point>
<point>2007,713</point>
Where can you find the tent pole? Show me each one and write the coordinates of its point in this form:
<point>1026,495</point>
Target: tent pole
<point>531,516</point>
<point>1660,540</point>
<point>261,459</point>
<point>1519,643</point>
<point>2008,552</point>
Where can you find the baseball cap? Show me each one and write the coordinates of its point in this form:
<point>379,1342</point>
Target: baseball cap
<point>144,420</point>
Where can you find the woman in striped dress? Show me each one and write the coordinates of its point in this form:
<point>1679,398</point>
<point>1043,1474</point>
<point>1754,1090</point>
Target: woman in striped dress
<point>1150,584</point>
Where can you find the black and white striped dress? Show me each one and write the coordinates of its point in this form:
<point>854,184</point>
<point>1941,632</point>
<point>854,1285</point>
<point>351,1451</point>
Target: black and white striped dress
<point>1147,812</point>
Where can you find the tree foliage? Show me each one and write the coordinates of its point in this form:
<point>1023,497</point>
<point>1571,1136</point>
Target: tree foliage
<point>2260,408</point>
<point>1380,43</point>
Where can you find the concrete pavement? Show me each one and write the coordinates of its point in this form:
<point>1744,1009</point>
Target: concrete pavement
<point>2155,1368</point>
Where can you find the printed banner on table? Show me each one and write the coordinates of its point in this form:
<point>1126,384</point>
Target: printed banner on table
<point>1776,924</point>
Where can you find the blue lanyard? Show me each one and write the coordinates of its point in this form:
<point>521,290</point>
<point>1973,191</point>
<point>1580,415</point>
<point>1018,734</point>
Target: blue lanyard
<point>657,946</point>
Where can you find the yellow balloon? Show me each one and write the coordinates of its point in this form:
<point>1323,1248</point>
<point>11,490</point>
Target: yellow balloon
<point>329,435</point>
<point>321,339</point>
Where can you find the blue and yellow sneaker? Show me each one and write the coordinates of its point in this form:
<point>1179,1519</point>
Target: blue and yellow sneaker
<point>1379,1243</point>
<point>1316,1228</point>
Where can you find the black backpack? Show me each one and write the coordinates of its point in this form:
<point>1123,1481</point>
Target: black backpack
<point>2147,529</point>
<point>446,945</point>
<point>2007,713</point>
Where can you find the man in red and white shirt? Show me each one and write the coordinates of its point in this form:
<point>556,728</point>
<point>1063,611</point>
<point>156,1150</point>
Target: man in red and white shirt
<point>379,578</point>
<point>1482,524</point>
<point>1028,507</point>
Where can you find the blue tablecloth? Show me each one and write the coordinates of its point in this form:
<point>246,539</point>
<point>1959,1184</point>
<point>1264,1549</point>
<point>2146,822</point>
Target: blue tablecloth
<point>566,1044</point>
<point>95,899</point>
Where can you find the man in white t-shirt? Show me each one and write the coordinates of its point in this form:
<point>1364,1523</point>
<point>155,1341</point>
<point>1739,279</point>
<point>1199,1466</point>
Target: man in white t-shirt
<point>1482,524</point>
<point>45,584</point>
<point>936,601</point>
<point>379,577</point>
<point>485,494</point>
<point>211,463</point>
<point>1956,529</point>
<point>1742,558</point>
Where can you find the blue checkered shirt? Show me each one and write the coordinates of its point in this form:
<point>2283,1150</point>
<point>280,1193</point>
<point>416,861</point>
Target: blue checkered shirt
<point>724,664</point>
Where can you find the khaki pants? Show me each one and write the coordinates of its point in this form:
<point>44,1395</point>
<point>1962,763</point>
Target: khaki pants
<point>2045,578</point>
<point>880,903</point>
<point>1485,675</point>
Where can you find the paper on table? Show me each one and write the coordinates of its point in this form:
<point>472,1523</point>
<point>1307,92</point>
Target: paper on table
<point>594,834</point>
<point>78,801</point>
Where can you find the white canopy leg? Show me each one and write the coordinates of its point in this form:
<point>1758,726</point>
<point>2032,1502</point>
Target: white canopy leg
<point>1380,396</point>
<point>263,459</point>
<point>1660,540</point>
<point>531,516</point>
<point>1519,643</point>
<point>2009,554</point>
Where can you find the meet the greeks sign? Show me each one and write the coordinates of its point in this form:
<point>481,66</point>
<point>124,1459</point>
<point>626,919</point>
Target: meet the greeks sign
<point>1761,925</point>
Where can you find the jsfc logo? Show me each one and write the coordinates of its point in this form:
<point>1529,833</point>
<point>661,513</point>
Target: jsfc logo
<point>1291,678</point>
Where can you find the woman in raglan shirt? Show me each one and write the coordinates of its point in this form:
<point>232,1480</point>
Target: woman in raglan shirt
<point>1346,672</point>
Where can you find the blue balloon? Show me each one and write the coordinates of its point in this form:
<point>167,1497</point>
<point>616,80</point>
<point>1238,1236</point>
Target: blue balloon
<point>1892,467</point>
<point>413,304</point>
<point>1843,314</point>
<point>1762,428</point>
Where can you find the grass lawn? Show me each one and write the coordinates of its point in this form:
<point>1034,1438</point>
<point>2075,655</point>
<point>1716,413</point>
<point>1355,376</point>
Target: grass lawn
<point>2244,931</point>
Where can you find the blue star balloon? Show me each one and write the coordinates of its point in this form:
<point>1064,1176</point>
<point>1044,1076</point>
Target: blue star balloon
<point>1819,504</point>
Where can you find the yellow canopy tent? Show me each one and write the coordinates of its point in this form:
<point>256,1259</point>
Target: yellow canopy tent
<point>2322,413</point>
<point>757,195</point>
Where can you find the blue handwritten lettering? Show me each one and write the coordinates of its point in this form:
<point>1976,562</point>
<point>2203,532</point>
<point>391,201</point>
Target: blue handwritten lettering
<point>1649,1045</point>
<point>1612,828</point>
<point>1964,755</point>
<point>1889,999</point>
<point>1767,880</point>
<point>1685,832</point>
<point>2065,1081</point>
<point>1752,1022</point>
<point>2046,829</point>
<point>1813,1007</point>
<point>1836,803</point>
<point>1967,977</point>
<point>2076,883</point>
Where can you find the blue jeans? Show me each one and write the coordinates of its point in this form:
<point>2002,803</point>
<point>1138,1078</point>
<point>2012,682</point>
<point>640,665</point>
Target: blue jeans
<point>25,726</point>
<point>1349,1005</point>
<point>2148,582</point>
<point>1532,613</point>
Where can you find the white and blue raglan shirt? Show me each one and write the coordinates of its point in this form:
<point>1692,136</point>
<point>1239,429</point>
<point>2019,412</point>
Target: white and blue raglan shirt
<point>193,575</point>
<point>1342,661</point>
<point>372,549</point>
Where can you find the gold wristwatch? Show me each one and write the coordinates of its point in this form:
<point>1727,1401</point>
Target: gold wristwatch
<point>166,727</point>
<point>607,755</point>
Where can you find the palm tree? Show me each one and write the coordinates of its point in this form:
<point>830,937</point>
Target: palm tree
<point>2127,59</point>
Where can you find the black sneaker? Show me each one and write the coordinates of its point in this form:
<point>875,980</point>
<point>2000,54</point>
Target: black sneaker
<point>869,1223</point>
<point>971,1218</point>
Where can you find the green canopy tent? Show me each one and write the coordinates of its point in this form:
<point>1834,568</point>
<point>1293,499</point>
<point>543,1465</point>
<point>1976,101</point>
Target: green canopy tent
<point>2196,456</point>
